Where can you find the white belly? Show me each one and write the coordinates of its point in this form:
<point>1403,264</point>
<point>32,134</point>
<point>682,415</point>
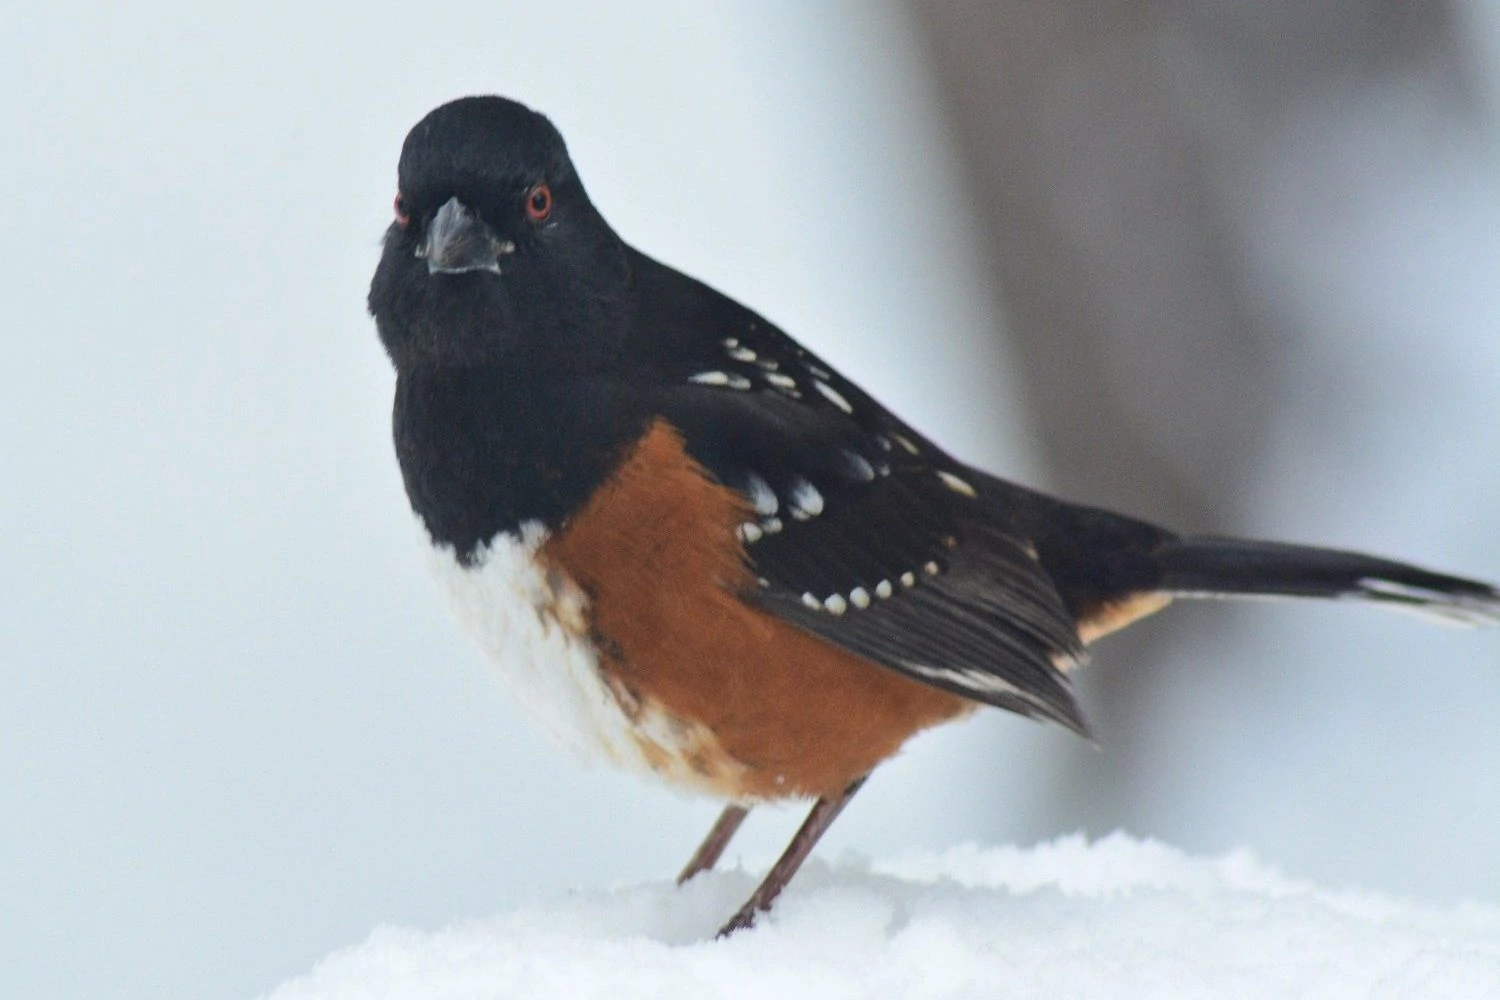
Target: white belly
<point>533,625</point>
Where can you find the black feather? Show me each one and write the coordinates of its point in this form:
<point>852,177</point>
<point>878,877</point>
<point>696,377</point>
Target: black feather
<point>1231,567</point>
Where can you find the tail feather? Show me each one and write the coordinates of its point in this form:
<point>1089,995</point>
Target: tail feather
<point>1205,566</point>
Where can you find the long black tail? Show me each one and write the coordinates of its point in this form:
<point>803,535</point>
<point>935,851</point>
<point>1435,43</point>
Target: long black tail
<point>1205,566</point>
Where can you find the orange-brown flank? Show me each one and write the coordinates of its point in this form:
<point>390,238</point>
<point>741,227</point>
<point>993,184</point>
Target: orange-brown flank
<point>762,709</point>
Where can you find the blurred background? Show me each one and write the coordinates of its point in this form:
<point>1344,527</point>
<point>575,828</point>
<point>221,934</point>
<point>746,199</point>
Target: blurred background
<point>1232,267</point>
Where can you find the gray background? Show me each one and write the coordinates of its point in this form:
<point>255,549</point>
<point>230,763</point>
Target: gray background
<point>1233,270</point>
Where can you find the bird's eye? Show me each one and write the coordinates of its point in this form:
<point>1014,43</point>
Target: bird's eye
<point>539,203</point>
<point>403,214</point>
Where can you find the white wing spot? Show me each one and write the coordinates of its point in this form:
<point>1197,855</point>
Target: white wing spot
<point>931,568</point>
<point>812,602</point>
<point>724,379</point>
<point>742,354</point>
<point>781,381</point>
<point>908,579</point>
<point>805,500</point>
<point>884,442</point>
<point>750,533</point>
<point>772,525</point>
<point>832,395</point>
<point>957,485</point>
<point>883,589</point>
<point>906,443</point>
<point>974,680</point>
<point>835,604</point>
<point>860,598</point>
<point>817,370</point>
<point>731,342</point>
<point>859,467</point>
<point>762,497</point>
<point>769,364</point>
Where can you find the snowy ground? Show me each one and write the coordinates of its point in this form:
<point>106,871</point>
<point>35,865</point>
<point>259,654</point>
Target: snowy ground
<point>1116,918</point>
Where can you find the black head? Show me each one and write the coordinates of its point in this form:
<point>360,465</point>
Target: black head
<point>496,255</point>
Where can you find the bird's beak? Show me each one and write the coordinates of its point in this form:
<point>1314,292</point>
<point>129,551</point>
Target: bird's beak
<point>458,241</point>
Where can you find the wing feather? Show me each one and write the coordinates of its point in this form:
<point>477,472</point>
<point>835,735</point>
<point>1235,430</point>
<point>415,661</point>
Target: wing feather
<point>900,567</point>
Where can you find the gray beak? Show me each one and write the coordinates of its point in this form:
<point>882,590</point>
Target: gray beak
<point>458,241</point>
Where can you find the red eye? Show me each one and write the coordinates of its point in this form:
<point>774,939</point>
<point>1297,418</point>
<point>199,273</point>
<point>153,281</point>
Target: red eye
<point>539,203</point>
<point>403,215</point>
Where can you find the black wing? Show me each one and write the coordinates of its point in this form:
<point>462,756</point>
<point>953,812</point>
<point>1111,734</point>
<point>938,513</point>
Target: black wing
<point>867,535</point>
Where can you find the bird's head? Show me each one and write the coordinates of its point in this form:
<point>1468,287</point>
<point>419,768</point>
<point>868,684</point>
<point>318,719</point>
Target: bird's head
<point>495,254</point>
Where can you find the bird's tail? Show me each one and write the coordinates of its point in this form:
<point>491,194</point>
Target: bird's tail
<point>1205,566</point>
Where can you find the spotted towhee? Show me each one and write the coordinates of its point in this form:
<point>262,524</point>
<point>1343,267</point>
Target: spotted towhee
<point>693,546</point>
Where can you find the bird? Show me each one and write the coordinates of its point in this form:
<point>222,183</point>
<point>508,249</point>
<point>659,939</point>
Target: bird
<point>697,551</point>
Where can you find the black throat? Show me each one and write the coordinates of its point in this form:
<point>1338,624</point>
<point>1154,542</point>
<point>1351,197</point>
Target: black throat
<point>484,450</point>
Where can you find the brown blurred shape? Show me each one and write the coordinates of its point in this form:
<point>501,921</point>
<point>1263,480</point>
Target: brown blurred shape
<point>1111,148</point>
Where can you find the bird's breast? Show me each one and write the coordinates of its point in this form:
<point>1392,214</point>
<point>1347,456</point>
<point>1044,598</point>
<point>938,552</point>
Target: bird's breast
<point>534,624</point>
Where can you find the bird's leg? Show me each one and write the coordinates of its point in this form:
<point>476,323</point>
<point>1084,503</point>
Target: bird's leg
<point>708,852</point>
<point>824,812</point>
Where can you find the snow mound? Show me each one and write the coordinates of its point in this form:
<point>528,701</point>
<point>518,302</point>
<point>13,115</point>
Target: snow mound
<point>1115,918</point>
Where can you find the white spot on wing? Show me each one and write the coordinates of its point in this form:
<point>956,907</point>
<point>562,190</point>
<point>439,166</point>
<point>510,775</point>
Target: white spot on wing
<point>750,532</point>
<point>859,466</point>
<point>860,598</point>
<point>906,443</point>
<point>762,497</point>
<point>957,485</point>
<point>742,354</point>
<point>908,579</point>
<point>812,602</point>
<point>727,380</point>
<point>974,680</point>
<point>832,395</point>
<point>781,381</point>
<point>805,500</point>
<point>835,604</point>
<point>883,589</point>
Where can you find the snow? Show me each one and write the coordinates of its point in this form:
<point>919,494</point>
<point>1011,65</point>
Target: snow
<point>1120,917</point>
